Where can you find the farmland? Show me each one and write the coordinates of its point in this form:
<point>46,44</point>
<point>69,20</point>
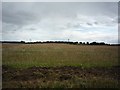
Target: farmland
<point>59,66</point>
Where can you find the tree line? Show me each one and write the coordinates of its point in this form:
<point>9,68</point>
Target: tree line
<point>60,42</point>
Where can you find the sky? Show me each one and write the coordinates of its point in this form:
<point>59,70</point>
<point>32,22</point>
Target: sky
<point>60,21</point>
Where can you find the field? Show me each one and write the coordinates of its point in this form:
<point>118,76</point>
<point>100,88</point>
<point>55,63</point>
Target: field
<point>60,66</point>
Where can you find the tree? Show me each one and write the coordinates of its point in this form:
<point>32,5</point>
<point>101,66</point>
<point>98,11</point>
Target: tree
<point>22,41</point>
<point>80,42</point>
<point>87,43</point>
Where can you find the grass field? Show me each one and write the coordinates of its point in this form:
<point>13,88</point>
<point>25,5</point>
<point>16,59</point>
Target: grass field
<point>59,66</point>
<point>28,55</point>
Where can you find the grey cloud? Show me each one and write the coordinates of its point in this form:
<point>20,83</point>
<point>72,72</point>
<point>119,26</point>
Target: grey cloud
<point>18,18</point>
<point>90,24</point>
<point>31,28</point>
<point>96,23</point>
<point>73,25</point>
<point>77,25</point>
<point>50,19</point>
<point>22,13</point>
<point>7,28</point>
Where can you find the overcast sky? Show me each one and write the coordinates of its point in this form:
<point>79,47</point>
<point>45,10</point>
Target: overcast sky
<point>76,21</point>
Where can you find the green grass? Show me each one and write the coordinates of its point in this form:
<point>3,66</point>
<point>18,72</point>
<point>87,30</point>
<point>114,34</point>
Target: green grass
<point>51,55</point>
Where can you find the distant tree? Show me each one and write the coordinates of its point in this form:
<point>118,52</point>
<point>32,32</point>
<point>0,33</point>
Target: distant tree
<point>80,42</point>
<point>87,43</point>
<point>22,41</point>
<point>102,43</point>
<point>75,42</point>
<point>83,43</point>
<point>93,43</point>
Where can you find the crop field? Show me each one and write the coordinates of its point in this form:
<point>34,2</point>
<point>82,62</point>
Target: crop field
<point>60,66</point>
